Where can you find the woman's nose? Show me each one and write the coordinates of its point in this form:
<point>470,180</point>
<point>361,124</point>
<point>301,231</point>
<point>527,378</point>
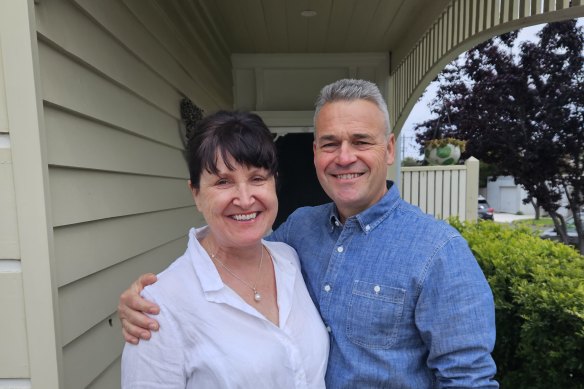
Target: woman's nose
<point>244,197</point>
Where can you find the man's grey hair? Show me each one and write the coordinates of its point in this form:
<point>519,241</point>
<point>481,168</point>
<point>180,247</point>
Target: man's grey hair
<point>349,89</point>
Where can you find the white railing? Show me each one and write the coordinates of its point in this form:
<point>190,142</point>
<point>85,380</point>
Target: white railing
<point>443,191</point>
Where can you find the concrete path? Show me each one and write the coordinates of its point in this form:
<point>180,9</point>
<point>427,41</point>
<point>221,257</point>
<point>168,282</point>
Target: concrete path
<point>509,217</point>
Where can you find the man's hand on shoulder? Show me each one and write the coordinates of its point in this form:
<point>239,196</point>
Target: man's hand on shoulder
<point>132,309</point>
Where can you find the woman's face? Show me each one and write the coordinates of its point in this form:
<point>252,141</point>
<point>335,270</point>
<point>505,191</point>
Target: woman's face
<point>239,206</point>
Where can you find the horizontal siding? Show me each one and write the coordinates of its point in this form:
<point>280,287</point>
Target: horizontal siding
<point>110,378</point>
<point>103,52</point>
<point>15,383</point>
<point>71,85</point>
<point>80,249</point>
<point>9,246</point>
<point>83,143</point>
<point>81,195</point>
<point>13,344</point>
<point>89,356</point>
<point>116,18</point>
<point>85,303</point>
<point>117,173</point>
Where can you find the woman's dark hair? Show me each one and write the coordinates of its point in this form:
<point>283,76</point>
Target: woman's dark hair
<point>242,136</point>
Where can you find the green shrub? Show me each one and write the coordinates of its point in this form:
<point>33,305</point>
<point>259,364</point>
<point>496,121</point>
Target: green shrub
<point>538,287</point>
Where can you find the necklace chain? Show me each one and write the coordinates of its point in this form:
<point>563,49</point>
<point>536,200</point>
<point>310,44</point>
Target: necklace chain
<point>256,295</point>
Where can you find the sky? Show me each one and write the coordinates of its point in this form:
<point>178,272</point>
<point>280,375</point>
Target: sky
<point>421,111</point>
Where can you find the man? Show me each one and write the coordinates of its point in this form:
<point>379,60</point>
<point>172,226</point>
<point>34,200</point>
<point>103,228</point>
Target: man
<point>403,299</point>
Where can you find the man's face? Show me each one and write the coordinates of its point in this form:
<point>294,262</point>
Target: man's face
<point>351,154</point>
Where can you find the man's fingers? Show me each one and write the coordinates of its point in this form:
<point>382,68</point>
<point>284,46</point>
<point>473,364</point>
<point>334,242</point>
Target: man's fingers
<point>133,334</point>
<point>145,280</point>
<point>132,307</point>
<point>130,299</point>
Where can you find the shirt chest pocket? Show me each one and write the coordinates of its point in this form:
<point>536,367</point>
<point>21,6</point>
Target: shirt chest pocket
<point>374,314</point>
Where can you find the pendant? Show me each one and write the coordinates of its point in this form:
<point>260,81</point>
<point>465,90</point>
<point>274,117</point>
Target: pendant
<point>257,296</point>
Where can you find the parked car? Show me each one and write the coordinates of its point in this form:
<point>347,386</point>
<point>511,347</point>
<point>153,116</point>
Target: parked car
<point>552,234</point>
<point>485,211</point>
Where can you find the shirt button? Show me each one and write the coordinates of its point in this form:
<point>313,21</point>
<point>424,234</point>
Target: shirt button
<point>367,227</point>
<point>328,329</point>
<point>340,249</point>
<point>327,288</point>
<point>377,289</point>
<point>337,223</point>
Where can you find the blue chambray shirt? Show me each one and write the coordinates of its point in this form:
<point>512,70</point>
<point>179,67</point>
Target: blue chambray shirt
<point>402,296</point>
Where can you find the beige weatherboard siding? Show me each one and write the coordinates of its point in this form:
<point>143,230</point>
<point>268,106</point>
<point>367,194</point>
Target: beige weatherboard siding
<point>92,172</point>
<point>104,144</point>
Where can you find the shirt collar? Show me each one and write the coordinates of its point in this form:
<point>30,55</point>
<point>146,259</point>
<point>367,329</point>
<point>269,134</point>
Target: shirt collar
<point>372,216</point>
<point>202,263</point>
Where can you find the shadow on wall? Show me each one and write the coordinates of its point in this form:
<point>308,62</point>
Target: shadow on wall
<point>298,185</point>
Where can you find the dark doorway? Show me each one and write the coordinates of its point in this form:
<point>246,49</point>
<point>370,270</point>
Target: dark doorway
<point>298,185</point>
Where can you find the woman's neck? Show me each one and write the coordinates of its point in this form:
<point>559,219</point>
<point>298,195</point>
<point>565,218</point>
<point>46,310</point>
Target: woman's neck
<point>237,256</point>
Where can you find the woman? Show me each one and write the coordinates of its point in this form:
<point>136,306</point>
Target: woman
<point>234,310</point>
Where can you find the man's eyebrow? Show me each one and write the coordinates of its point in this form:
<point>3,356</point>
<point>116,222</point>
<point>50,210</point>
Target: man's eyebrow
<point>362,136</point>
<point>327,138</point>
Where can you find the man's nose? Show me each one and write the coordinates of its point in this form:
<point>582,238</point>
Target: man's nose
<point>346,154</point>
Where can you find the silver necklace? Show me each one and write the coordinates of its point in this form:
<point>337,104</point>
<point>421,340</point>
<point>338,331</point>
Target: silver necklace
<point>256,295</point>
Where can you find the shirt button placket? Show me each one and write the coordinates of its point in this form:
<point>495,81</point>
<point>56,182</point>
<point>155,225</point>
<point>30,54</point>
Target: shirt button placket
<point>327,285</point>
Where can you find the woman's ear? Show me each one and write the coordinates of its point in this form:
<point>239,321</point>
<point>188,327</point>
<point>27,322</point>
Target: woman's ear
<point>194,193</point>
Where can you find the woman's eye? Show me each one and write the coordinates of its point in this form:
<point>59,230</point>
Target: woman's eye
<point>259,179</point>
<point>221,181</point>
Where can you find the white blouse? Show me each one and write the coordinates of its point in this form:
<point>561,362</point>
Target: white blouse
<point>210,337</point>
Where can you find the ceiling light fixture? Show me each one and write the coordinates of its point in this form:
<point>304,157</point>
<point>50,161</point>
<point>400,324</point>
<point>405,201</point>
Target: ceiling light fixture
<point>308,13</point>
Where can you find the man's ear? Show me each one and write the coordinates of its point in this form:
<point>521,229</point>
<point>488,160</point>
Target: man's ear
<point>390,149</point>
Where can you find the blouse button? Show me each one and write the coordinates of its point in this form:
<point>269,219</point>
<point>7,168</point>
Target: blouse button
<point>327,288</point>
<point>377,289</point>
<point>340,249</point>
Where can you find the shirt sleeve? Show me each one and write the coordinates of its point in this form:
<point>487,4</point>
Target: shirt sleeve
<point>281,233</point>
<point>158,362</point>
<point>455,315</point>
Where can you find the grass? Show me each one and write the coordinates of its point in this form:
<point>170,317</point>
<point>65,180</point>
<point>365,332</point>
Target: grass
<point>536,225</point>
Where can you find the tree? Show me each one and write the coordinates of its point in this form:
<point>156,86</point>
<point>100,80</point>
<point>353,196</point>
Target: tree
<point>522,112</point>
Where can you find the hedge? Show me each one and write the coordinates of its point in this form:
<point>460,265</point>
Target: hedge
<point>538,287</point>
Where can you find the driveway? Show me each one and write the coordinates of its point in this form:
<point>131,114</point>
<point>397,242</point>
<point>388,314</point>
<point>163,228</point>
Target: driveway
<point>509,217</point>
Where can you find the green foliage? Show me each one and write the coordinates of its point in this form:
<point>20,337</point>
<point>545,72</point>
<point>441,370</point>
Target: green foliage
<point>520,107</point>
<point>410,161</point>
<point>539,297</point>
<point>441,142</point>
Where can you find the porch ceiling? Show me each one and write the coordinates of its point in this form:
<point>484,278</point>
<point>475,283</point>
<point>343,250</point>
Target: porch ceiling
<point>276,26</point>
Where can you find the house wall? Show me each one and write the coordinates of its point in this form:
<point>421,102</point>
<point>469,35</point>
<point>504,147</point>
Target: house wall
<point>505,196</point>
<point>103,158</point>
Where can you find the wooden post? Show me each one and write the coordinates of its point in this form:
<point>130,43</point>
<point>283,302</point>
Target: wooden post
<point>472,188</point>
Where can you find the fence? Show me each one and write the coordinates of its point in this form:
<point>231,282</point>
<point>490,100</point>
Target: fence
<point>443,191</point>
